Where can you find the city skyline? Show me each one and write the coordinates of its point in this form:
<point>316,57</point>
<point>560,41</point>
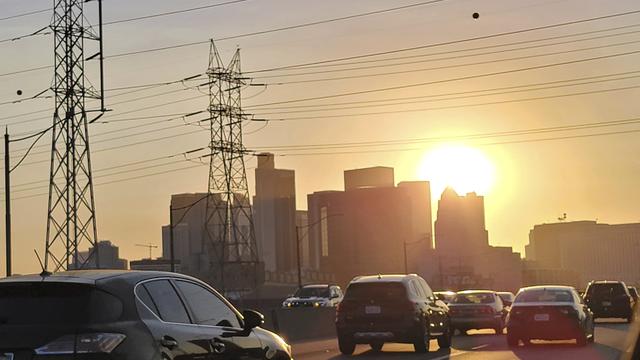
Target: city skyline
<point>536,180</point>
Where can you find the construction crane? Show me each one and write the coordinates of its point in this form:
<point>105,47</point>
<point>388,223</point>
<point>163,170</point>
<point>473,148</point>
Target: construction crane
<point>150,246</point>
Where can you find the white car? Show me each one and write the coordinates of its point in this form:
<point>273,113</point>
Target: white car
<point>315,296</point>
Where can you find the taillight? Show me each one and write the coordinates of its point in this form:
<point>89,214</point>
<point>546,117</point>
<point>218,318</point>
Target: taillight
<point>82,344</point>
<point>569,311</point>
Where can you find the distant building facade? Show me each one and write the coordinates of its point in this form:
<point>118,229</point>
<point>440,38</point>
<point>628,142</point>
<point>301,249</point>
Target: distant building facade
<point>594,251</point>
<point>108,256</point>
<point>463,254</point>
<point>200,248</point>
<point>274,206</point>
<point>154,265</point>
<point>366,228</point>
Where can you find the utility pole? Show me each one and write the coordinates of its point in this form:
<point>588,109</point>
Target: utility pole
<point>71,215</point>
<point>7,199</point>
<point>172,254</point>
<point>298,256</point>
<point>228,217</point>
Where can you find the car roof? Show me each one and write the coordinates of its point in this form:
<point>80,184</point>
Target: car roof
<point>605,282</point>
<point>475,291</point>
<point>316,286</point>
<point>90,276</point>
<point>548,287</point>
<point>384,278</point>
<point>505,293</point>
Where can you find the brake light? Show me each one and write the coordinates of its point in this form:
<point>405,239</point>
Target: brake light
<point>569,311</point>
<point>82,344</point>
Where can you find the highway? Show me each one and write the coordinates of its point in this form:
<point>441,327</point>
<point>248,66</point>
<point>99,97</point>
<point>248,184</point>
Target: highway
<point>611,337</point>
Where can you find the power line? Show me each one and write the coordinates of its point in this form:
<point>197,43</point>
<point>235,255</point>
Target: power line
<point>476,136</point>
<point>452,42</point>
<point>544,27</point>
<point>173,12</point>
<point>468,77</point>
<point>484,47</point>
<point>441,97</point>
<point>284,28</point>
<point>459,106</point>
<point>25,14</point>
<point>440,59</point>
<point>539,86</point>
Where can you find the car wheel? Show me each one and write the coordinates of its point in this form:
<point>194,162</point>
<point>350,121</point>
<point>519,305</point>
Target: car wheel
<point>512,340</point>
<point>629,319</point>
<point>444,340</point>
<point>421,342</point>
<point>346,345</point>
<point>376,346</point>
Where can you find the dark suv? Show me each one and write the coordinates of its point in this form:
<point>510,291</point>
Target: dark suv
<point>391,308</point>
<point>126,315</point>
<point>609,299</point>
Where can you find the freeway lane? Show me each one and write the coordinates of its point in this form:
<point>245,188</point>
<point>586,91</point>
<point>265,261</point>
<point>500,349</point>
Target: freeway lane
<point>610,340</point>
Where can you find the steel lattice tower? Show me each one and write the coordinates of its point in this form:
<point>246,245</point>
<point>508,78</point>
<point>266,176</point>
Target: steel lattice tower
<point>71,219</point>
<point>229,220</point>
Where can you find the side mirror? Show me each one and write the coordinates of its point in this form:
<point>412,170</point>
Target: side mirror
<point>252,319</point>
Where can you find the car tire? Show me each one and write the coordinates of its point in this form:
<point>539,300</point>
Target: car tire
<point>512,340</point>
<point>346,345</point>
<point>444,340</point>
<point>582,340</point>
<point>422,339</point>
<point>376,346</point>
<point>629,319</point>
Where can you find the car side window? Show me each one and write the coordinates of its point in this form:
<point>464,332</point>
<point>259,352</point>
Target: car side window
<point>417,289</point>
<point>426,288</point>
<point>144,296</point>
<point>170,307</point>
<point>207,308</point>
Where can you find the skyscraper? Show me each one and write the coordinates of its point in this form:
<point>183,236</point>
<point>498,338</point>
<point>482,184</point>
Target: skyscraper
<point>274,206</point>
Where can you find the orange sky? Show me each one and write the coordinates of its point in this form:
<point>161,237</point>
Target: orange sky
<point>590,177</point>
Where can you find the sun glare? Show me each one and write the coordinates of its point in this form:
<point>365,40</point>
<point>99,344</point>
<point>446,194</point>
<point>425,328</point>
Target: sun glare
<point>464,168</point>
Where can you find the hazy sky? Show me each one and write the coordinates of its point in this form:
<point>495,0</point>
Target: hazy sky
<point>591,177</point>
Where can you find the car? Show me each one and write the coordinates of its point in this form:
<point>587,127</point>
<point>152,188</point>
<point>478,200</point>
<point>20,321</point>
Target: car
<point>506,297</point>
<point>315,296</point>
<point>634,293</point>
<point>126,315</point>
<point>391,308</point>
<point>549,313</point>
<point>609,299</point>
<point>477,309</point>
<point>445,296</point>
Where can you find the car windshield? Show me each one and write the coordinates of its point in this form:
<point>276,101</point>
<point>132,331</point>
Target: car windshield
<point>605,290</point>
<point>378,291</point>
<point>473,298</point>
<point>56,303</point>
<point>544,295</point>
<point>312,292</point>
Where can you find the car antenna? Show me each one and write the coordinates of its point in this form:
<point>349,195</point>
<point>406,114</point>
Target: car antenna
<point>44,271</point>
<point>379,277</point>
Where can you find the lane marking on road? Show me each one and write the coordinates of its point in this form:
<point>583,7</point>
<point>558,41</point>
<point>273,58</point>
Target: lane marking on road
<point>445,357</point>
<point>479,347</point>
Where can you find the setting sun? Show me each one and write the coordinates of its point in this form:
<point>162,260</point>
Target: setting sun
<point>464,168</point>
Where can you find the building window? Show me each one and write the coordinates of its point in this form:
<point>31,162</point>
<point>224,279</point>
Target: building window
<point>324,231</point>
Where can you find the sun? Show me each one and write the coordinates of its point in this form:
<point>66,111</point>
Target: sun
<point>465,169</point>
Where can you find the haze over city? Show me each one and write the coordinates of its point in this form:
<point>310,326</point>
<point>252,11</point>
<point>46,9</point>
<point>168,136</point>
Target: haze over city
<point>525,183</point>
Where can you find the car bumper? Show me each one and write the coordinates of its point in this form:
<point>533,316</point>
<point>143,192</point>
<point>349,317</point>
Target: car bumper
<point>488,322</point>
<point>366,332</point>
<point>552,330</point>
<point>611,312</point>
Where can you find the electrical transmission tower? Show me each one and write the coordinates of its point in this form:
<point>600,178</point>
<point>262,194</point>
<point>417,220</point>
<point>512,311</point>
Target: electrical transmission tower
<point>228,216</point>
<point>71,218</point>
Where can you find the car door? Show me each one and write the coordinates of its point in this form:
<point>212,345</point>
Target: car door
<point>164,313</point>
<point>437,307</point>
<point>221,323</point>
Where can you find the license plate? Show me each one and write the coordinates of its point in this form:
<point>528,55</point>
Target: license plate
<point>606,303</point>
<point>6,356</point>
<point>541,317</point>
<point>372,310</point>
